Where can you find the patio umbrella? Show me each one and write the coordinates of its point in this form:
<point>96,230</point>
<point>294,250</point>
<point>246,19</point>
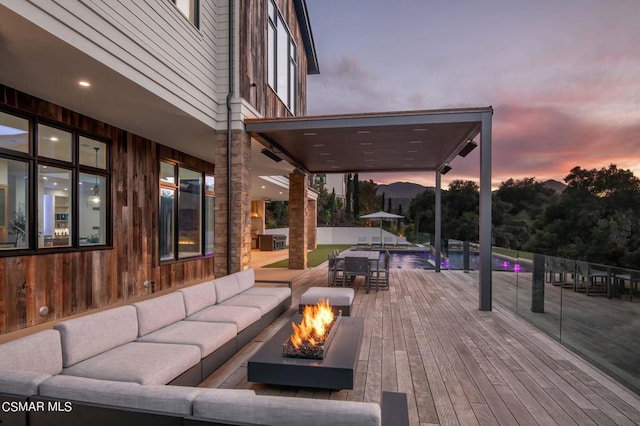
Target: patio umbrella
<point>381,215</point>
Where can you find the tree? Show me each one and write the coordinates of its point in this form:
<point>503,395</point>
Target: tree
<point>356,197</point>
<point>382,202</point>
<point>347,202</point>
<point>595,219</point>
<point>369,199</point>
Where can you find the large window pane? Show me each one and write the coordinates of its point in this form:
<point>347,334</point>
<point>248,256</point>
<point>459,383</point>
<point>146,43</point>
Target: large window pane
<point>14,133</point>
<point>54,143</point>
<point>209,225</point>
<point>91,209</point>
<point>92,153</point>
<point>14,206</point>
<point>54,206</point>
<point>189,213</point>
<point>167,173</point>
<point>271,56</point>
<point>167,217</point>
<point>282,66</point>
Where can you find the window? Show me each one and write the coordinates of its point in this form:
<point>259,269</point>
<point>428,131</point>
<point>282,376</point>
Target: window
<point>186,212</point>
<point>282,67</point>
<point>190,9</point>
<point>67,205</point>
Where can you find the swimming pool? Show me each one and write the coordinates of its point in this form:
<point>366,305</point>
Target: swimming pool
<point>424,259</point>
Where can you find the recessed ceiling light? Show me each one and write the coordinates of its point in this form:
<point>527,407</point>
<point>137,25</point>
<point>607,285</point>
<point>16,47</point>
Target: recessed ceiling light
<point>55,183</point>
<point>263,187</point>
<point>45,178</point>
<point>366,143</point>
<point>415,142</point>
<point>420,130</point>
<point>66,189</point>
<point>53,138</point>
<point>280,192</point>
<point>310,133</point>
<point>84,83</point>
<point>364,132</point>
<point>318,145</point>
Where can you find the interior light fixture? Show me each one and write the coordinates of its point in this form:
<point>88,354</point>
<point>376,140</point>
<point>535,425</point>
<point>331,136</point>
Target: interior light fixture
<point>84,83</point>
<point>422,129</point>
<point>271,155</point>
<point>310,133</point>
<point>470,146</point>
<point>446,169</point>
<point>364,132</point>
<point>94,198</point>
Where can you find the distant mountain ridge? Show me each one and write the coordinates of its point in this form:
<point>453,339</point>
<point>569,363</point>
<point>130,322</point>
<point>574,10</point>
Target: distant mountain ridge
<point>400,193</point>
<point>557,186</point>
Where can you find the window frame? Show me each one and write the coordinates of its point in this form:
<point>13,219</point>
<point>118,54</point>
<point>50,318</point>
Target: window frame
<point>195,19</point>
<point>34,161</point>
<point>175,187</point>
<point>275,58</point>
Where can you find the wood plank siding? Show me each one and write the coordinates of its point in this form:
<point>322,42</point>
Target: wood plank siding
<point>253,62</point>
<point>73,282</point>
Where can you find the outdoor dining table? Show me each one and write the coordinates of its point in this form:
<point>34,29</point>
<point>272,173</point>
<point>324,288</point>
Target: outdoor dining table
<point>372,256</point>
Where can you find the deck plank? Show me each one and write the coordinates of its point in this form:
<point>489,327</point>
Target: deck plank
<point>458,365</point>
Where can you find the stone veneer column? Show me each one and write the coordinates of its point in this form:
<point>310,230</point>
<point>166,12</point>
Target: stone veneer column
<point>312,224</point>
<point>298,220</point>
<point>240,203</point>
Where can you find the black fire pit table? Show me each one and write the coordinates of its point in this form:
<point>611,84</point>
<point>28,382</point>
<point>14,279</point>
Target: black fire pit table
<point>336,371</point>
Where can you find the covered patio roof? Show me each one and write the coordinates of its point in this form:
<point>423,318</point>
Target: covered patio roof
<point>426,140</point>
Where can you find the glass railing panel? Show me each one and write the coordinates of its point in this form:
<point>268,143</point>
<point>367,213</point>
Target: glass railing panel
<point>601,319</point>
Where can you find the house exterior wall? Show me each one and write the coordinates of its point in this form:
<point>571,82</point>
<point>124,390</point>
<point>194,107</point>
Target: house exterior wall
<point>153,45</point>
<point>74,282</point>
<point>253,57</point>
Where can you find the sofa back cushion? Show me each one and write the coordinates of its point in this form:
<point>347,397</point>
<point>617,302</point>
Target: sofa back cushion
<point>246,279</point>
<point>199,296</point>
<point>39,353</point>
<point>226,287</point>
<point>153,314</point>
<point>93,334</point>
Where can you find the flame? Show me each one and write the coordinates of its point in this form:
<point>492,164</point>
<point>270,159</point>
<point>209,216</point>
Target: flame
<point>312,328</point>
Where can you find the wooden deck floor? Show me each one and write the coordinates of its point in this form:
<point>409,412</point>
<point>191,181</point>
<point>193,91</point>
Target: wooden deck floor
<point>425,336</point>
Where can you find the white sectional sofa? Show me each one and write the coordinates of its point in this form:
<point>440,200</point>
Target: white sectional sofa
<point>133,365</point>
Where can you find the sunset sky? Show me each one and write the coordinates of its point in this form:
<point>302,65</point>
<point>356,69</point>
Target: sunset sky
<point>563,77</point>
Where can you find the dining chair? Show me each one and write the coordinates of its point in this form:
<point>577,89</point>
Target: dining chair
<point>354,267</point>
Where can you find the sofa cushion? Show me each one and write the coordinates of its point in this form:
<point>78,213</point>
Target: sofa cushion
<point>208,336</point>
<point>241,316</point>
<point>264,303</point>
<point>283,411</point>
<point>199,296</point>
<point>246,279</point>
<point>168,399</point>
<point>39,352</point>
<point>280,293</point>
<point>94,334</point>
<point>226,287</point>
<point>23,383</point>
<point>144,363</point>
<point>153,314</point>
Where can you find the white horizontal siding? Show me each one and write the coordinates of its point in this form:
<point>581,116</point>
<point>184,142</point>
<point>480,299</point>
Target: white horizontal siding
<point>151,43</point>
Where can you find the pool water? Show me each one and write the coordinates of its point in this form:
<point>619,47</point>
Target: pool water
<point>426,260</point>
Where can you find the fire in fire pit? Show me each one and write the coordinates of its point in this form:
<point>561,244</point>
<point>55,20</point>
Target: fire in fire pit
<point>311,338</point>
